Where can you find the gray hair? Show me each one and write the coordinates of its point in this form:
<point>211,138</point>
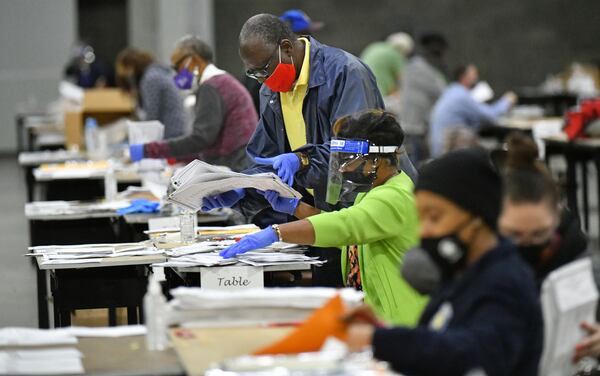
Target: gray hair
<point>196,46</point>
<point>267,28</point>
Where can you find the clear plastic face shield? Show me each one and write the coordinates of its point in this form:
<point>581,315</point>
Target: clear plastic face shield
<point>352,168</point>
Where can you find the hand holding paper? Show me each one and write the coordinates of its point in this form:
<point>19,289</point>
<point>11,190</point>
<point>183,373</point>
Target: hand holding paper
<point>286,166</point>
<point>281,204</point>
<point>223,200</point>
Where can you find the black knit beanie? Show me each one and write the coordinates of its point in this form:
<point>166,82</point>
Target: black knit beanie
<point>468,179</point>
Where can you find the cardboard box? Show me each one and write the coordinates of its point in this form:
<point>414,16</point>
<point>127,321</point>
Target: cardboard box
<point>105,105</point>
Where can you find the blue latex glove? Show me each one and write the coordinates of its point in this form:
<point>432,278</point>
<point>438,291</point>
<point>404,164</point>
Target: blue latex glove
<point>281,204</point>
<point>140,206</point>
<point>223,200</point>
<point>286,166</point>
<point>250,242</point>
<point>136,152</point>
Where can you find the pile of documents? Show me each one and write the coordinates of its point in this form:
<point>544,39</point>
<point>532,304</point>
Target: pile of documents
<point>198,180</point>
<point>569,296</point>
<point>51,361</point>
<point>277,258</point>
<point>63,208</point>
<point>192,306</point>
<point>90,253</point>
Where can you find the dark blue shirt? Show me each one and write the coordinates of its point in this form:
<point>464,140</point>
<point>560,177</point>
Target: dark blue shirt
<point>339,85</point>
<point>487,319</point>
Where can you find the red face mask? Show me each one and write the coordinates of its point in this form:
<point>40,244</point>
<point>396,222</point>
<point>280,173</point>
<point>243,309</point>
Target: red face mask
<point>283,77</point>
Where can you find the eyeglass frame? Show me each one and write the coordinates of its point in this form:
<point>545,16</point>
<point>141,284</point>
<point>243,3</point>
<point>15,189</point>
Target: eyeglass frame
<point>264,71</point>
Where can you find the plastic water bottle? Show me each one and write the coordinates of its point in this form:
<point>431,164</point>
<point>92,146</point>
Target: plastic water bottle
<point>155,315</point>
<point>110,183</point>
<point>91,136</point>
<point>188,221</point>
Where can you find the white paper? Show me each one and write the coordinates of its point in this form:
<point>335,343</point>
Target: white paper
<point>17,336</point>
<point>232,278</point>
<point>56,361</point>
<point>199,179</point>
<point>113,331</point>
<point>142,132</point>
<point>482,92</point>
<point>569,296</point>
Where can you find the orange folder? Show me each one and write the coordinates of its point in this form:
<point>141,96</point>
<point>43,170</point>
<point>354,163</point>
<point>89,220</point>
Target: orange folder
<point>312,333</point>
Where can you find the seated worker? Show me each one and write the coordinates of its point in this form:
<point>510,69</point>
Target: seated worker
<point>152,85</point>
<point>547,235</point>
<point>456,107</point>
<point>377,229</point>
<point>483,315</point>
<point>225,117</point>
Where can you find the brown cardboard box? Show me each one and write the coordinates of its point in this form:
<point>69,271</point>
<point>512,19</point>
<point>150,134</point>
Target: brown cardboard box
<point>105,105</point>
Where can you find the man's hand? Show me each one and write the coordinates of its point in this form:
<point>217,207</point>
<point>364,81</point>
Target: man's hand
<point>590,345</point>
<point>223,200</point>
<point>286,166</point>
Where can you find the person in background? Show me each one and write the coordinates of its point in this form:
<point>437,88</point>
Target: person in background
<point>386,59</point>
<point>307,87</point>
<point>225,117</point>
<point>423,81</point>
<point>457,108</point>
<point>375,232</point>
<point>85,70</point>
<point>547,234</point>
<point>151,83</point>
<point>483,316</point>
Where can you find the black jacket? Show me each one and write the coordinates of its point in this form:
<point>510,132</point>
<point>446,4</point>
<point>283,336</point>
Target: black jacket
<point>493,322</point>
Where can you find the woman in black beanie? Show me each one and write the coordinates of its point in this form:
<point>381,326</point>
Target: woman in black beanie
<point>483,315</point>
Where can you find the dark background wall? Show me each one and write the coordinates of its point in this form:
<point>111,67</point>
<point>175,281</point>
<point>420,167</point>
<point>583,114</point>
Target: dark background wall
<point>515,43</point>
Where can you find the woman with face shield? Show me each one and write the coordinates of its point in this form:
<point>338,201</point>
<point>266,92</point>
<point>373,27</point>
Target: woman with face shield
<point>376,231</point>
<point>483,316</point>
<point>546,234</point>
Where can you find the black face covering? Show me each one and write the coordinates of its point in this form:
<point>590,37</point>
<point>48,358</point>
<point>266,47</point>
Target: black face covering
<point>360,181</point>
<point>532,253</point>
<point>434,260</point>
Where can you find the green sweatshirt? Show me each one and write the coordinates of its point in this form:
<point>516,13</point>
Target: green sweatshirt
<point>383,223</point>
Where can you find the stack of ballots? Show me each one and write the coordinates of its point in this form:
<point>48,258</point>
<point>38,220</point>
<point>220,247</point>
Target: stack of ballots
<point>90,253</point>
<point>196,307</point>
<point>198,180</point>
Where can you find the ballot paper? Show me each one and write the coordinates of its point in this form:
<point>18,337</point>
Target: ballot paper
<point>55,361</point>
<point>142,132</point>
<point>16,336</point>
<point>569,296</point>
<point>90,253</point>
<point>201,180</point>
<point>482,92</point>
<point>201,247</point>
<point>203,259</point>
<point>276,258</point>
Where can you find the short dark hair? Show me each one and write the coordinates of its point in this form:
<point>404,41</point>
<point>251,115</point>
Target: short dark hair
<point>267,28</point>
<point>460,71</point>
<point>196,46</point>
<point>377,126</point>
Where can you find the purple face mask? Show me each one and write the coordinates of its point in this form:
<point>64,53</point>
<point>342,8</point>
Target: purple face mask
<point>184,79</point>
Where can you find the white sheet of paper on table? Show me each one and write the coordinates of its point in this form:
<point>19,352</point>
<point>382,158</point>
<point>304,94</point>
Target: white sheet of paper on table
<point>18,336</point>
<point>58,361</point>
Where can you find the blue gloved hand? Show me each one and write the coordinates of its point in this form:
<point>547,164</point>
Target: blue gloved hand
<point>286,166</point>
<point>281,204</point>
<point>223,200</point>
<point>140,206</point>
<point>136,152</point>
<point>250,242</point>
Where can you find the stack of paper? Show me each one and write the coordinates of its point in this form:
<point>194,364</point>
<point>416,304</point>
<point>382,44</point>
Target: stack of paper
<point>90,253</point>
<point>56,361</point>
<point>276,258</point>
<point>204,307</point>
<point>201,247</point>
<point>569,296</point>
<point>199,180</point>
<point>14,336</point>
<point>205,259</point>
<point>53,208</point>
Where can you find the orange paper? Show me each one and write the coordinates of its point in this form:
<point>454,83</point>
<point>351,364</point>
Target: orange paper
<point>312,333</point>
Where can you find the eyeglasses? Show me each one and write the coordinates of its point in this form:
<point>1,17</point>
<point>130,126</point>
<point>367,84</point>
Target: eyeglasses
<point>261,73</point>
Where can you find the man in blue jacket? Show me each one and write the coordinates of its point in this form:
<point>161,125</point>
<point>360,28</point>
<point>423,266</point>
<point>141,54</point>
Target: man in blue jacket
<point>307,86</point>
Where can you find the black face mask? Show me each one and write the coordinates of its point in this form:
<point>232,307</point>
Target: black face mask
<point>532,253</point>
<point>434,260</point>
<point>360,181</point>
